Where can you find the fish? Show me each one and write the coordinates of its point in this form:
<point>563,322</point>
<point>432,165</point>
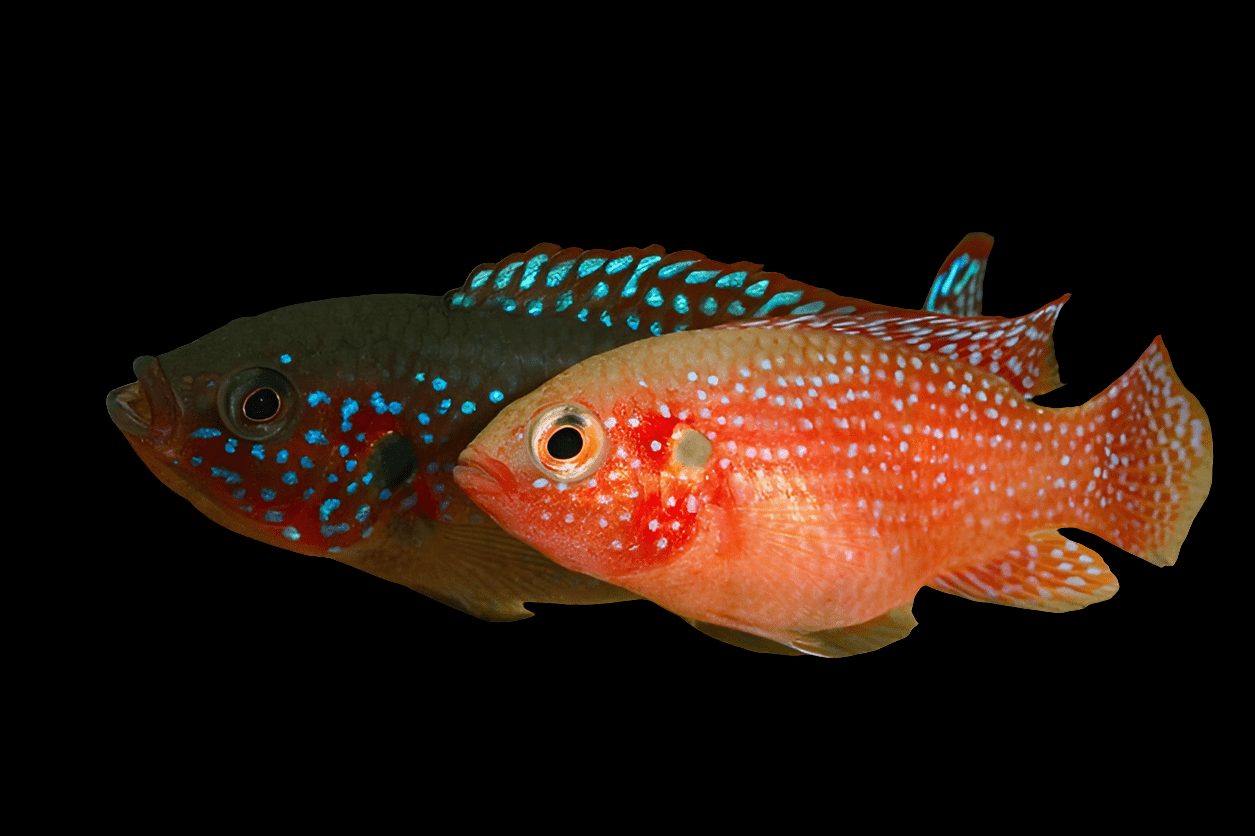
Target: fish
<point>366,402</point>
<point>802,478</point>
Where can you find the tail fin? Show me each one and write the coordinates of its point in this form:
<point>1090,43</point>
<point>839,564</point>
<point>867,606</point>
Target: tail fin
<point>1156,458</point>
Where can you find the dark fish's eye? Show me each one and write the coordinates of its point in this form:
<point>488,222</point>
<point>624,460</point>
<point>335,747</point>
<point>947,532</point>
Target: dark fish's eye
<point>566,443</point>
<point>262,405</point>
<point>258,404</point>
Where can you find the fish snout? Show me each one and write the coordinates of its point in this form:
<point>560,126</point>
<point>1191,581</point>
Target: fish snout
<point>146,408</point>
<point>478,472</point>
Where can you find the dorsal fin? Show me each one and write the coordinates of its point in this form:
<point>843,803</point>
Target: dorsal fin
<point>960,283</point>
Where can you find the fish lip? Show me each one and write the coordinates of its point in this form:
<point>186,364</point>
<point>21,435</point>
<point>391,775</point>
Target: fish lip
<point>483,472</point>
<point>146,408</point>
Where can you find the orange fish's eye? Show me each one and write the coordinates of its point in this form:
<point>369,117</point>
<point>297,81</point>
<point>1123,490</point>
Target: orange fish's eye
<point>567,442</point>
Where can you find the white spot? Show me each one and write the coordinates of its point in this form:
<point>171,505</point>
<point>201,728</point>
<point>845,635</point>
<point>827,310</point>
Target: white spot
<point>766,364</point>
<point>903,446</point>
<point>610,422</point>
<point>760,392</point>
<point>634,422</point>
<point>691,505</point>
<point>602,522</point>
<point>692,375</point>
<point>653,525</point>
<point>941,478</point>
<point>852,451</point>
<point>712,380</point>
<point>1065,460</point>
<point>569,518</point>
<point>655,446</point>
<point>662,408</point>
<point>723,463</point>
<point>540,483</point>
<point>662,543</point>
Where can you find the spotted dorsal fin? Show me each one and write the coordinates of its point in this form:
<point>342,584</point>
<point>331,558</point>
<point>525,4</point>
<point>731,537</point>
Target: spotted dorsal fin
<point>960,283</point>
<point>646,289</point>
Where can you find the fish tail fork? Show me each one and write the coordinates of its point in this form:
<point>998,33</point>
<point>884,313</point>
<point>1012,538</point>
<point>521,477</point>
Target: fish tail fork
<point>1154,443</point>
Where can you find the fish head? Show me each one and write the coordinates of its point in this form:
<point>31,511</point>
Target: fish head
<point>602,482</point>
<point>242,424</point>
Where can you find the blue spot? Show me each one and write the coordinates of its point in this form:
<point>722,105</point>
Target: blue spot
<point>333,550</point>
<point>787,298</point>
<point>601,290</point>
<point>331,477</point>
<point>350,464</point>
<point>281,457</point>
<point>259,451</point>
<point>315,437</point>
<point>709,306</point>
<point>605,318</point>
<point>436,489</point>
<point>468,407</point>
<point>480,279</point>
<point>238,494</point>
<point>306,462</point>
<point>653,298</point>
<point>645,263</point>
<point>206,432</point>
<point>366,479</point>
<point>424,418</point>
<point>267,494</point>
<point>352,488</point>
<point>346,426</point>
<point>324,510</point>
<point>532,270</point>
<point>366,532</point>
<point>732,279</point>
<point>420,377</point>
<point>318,397</point>
<point>590,266</point>
<point>582,316</point>
<point>361,436</point>
<point>333,530</point>
<point>756,289</point>
<point>676,267</point>
<point>972,270</point>
<point>448,467</point>
<point>618,264</point>
<point>557,273</point>
<point>699,276</point>
<point>444,405</point>
<point>534,307</point>
<point>285,358</point>
<point>681,327</point>
<point>231,476</point>
<point>274,516</point>
<point>680,304</point>
<point>289,478</point>
<point>344,450</point>
<point>508,305</point>
<point>384,494</point>
<point>736,308</point>
<point>633,321</point>
<point>348,409</point>
<point>458,299</point>
<point>432,467</point>
<point>377,401</point>
<point>505,274</point>
<point>230,445</point>
<point>564,301</point>
<point>656,329</point>
<point>439,384</point>
<point>362,513</point>
<point>427,438</point>
<point>196,460</point>
<point>629,288</point>
<point>291,533</point>
<point>394,408</point>
<point>308,493</point>
<point>409,502</point>
<point>810,308</point>
<point>495,396</point>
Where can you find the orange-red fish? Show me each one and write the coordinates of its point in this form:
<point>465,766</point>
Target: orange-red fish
<point>801,479</point>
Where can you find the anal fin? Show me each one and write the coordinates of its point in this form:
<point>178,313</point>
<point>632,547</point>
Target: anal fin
<point>859,638</point>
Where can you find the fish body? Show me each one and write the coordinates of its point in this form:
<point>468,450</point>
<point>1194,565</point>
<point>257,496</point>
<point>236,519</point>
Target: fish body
<point>800,480</point>
<point>331,428</point>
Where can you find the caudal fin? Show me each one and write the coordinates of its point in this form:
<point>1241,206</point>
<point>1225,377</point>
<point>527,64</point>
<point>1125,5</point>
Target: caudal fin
<point>1156,458</point>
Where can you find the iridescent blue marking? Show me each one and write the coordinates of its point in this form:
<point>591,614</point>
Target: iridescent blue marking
<point>427,438</point>
<point>420,377</point>
<point>409,501</point>
<point>206,432</point>
<point>600,291</point>
<point>281,457</point>
<point>564,301</point>
<point>273,516</point>
<point>438,384</point>
<point>709,306</point>
<point>535,306</point>
<point>377,401</point>
<point>618,264</point>
<point>324,510</point>
<point>786,298</point>
<point>460,299</point>
<point>629,288</point>
<point>333,530</point>
<point>645,263</point>
<point>508,305</point>
<point>349,408</point>
<point>590,266</point>
<point>557,273</point>
<point>394,408</point>
<point>809,308</point>
<point>291,533</point>
<point>680,303</point>
<point>444,405</point>
<point>362,513</point>
<point>605,318</point>
<point>582,316</point>
<point>677,267</point>
<point>267,494</point>
<point>318,397</point>
<point>230,445</point>
<point>361,436</point>
<point>346,426</point>
<point>480,279</point>
<point>308,493</point>
<point>505,274</point>
<point>259,451</point>
<point>366,479</point>
<point>656,329</point>
<point>289,478</point>
<point>331,477</point>
<point>436,489</point>
<point>366,532</point>
<point>682,326</point>
<point>756,289</point>
<point>384,494</point>
<point>495,396</point>
<point>344,450</point>
<point>432,467</point>
<point>468,407</point>
<point>653,298</point>
<point>736,308</point>
<point>350,465</point>
<point>333,550</point>
<point>532,270</point>
<point>196,460</point>
<point>699,276</point>
<point>732,279</point>
<point>306,462</point>
<point>424,418</point>
<point>238,494</point>
<point>447,467</point>
<point>231,476</point>
<point>352,488</point>
<point>633,321</point>
<point>972,270</point>
<point>285,358</point>
<point>315,437</point>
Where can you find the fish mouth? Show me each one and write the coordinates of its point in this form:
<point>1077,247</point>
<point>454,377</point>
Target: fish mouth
<point>484,474</point>
<point>144,409</point>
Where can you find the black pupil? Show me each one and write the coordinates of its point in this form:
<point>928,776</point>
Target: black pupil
<point>262,405</point>
<point>566,443</point>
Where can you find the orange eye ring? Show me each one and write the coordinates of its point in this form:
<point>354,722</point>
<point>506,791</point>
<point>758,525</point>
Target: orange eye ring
<point>566,442</point>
